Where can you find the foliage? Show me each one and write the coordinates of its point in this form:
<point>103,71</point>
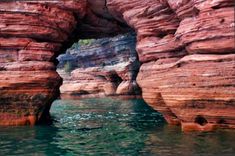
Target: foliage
<point>84,42</point>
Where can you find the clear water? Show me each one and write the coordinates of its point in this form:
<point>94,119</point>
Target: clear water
<point>106,126</point>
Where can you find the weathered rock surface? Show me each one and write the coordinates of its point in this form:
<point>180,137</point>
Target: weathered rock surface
<point>186,49</point>
<point>31,34</point>
<point>108,66</point>
<point>191,80</point>
<point>190,90</point>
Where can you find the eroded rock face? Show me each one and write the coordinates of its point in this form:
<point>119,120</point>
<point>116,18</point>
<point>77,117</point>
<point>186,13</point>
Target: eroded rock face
<point>31,34</point>
<point>186,48</point>
<point>106,67</point>
<point>191,77</point>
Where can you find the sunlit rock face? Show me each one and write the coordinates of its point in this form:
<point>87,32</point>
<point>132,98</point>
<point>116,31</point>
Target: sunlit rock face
<point>105,67</point>
<point>186,49</point>
<point>31,34</point>
<point>188,74</point>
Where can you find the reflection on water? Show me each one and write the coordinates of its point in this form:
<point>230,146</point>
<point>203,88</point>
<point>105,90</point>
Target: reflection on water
<point>111,127</point>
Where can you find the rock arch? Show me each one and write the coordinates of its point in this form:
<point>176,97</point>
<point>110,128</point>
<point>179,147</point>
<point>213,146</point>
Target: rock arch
<point>186,49</point>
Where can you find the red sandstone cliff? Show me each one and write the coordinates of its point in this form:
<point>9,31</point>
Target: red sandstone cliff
<point>186,47</point>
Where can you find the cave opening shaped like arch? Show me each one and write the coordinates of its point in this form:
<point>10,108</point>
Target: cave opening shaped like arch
<point>180,49</point>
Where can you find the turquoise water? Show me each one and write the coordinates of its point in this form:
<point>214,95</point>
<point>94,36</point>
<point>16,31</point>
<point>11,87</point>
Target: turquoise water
<point>116,127</point>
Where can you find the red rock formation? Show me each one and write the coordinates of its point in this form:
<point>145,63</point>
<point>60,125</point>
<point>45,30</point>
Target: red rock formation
<point>194,90</point>
<point>105,67</point>
<point>186,88</point>
<point>93,81</point>
<point>186,47</point>
<point>31,35</point>
<point>99,82</point>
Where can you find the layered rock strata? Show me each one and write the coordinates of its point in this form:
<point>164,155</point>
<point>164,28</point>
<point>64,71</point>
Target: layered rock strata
<point>31,34</point>
<point>106,67</point>
<point>191,71</point>
<point>186,49</point>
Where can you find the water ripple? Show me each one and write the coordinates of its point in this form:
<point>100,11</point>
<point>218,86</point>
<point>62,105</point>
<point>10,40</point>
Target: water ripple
<point>111,127</point>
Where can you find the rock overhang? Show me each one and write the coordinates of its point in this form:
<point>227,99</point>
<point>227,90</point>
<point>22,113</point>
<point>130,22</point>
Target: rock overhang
<point>180,43</point>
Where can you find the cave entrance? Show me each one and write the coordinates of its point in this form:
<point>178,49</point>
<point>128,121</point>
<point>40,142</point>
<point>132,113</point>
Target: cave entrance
<point>100,67</point>
<point>201,120</point>
<point>35,32</point>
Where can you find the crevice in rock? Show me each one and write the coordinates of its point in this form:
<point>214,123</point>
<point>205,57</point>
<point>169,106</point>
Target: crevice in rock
<point>200,120</point>
<point>115,78</point>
